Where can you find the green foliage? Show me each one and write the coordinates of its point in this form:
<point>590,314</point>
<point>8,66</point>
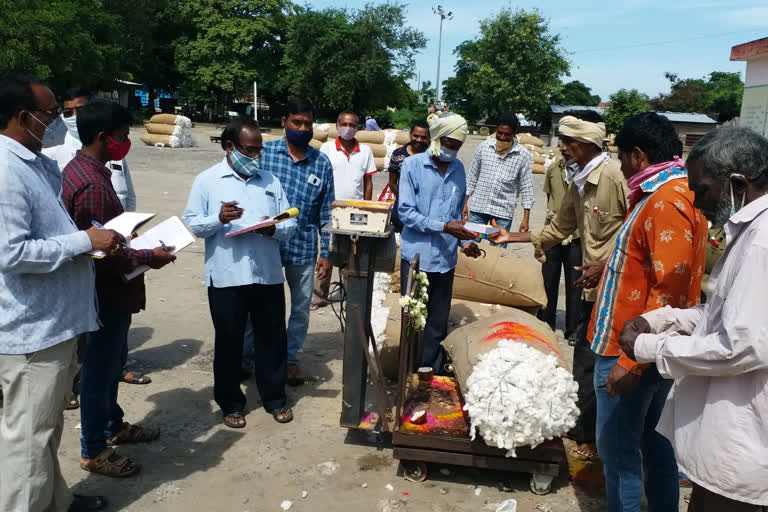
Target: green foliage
<point>576,93</point>
<point>514,65</point>
<point>403,117</point>
<point>718,95</point>
<point>623,105</point>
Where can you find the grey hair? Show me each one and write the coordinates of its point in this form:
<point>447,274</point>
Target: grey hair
<point>357,119</point>
<point>733,150</point>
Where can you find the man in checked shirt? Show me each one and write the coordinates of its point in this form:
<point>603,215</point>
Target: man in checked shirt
<point>500,173</point>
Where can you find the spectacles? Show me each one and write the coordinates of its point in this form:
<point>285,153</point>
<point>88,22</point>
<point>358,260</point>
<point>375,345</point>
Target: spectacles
<point>251,151</point>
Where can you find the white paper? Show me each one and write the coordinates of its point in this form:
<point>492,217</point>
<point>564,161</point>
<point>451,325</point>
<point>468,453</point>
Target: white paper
<point>171,231</point>
<point>483,229</point>
<point>125,224</point>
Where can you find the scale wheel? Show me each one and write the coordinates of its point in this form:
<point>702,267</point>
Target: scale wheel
<point>415,471</point>
<point>541,484</point>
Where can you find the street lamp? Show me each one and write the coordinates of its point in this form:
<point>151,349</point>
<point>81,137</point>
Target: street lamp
<point>443,16</point>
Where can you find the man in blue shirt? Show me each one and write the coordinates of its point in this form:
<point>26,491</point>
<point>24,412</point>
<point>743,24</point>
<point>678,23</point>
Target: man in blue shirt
<point>307,177</point>
<point>243,273</point>
<point>432,189</point>
<point>48,299</point>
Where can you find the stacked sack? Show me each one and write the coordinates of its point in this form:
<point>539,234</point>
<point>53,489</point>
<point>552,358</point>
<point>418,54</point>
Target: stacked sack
<point>536,147</point>
<point>169,130</point>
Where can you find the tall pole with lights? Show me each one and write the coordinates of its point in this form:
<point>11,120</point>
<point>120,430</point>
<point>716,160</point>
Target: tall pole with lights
<point>443,16</point>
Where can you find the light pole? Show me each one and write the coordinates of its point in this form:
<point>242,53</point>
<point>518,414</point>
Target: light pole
<point>443,16</point>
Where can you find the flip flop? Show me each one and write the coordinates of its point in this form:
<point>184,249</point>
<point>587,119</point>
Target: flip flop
<point>136,377</point>
<point>82,503</point>
<point>230,420</point>
<point>72,404</point>
<point>285,412</point>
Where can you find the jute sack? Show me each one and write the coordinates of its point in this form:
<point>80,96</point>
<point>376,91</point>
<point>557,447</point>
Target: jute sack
<point>527,138</point>
<point>161,129</point>
<point>467,343</point>
<point>402,138</point>
<point>499,278</point>
<point>315,143</point>
<point>538,169</point>
<point>333,132</point>
<point>539,159</point>
<point>380,163</point>
<point>378,150</point>
<point>322,136</point>
<point>154,139</point>
<point>534,150</point>
<point>163,119</point>
<point>368,137</point>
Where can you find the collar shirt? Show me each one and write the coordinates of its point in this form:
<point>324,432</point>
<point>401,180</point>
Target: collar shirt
<point>248,258</point>
<point>555,187</point>
<point>658,260</point>
<point>371,125</point>
<point>308,185</point>
<point>349,170</point>
<point>496,183</point>
<point>121,176</point>
<point>717,353</point>
<point>88,194</point>
<point>597,216</point>
<point>427,201</point>
<point>46,282</point>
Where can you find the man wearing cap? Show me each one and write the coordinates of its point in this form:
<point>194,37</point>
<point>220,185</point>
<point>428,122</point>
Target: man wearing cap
<point>594,206</point>
<point>433,185</point>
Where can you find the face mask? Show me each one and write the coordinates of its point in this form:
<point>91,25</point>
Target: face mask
<point>743,196</point>
<point>447,155</point>
<point>118,150</point>
<point>503,146</point>
<point>71,124</point>
<point>299,138</point>
<point>347,132</point>
<point>39,121</point>
<point>244,165</point>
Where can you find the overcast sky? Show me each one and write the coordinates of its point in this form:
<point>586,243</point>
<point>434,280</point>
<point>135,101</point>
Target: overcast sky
<point>611,45</point>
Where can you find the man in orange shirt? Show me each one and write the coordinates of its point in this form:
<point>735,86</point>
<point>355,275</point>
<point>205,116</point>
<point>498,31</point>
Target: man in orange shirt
<point>658,260</point>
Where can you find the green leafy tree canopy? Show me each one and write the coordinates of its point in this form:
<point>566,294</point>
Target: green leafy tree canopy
<point>718,95</point>
<point>623,105</point>
<point>576,93</point>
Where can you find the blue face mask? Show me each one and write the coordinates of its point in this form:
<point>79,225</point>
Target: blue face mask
<point>244,165</point>
<point>299,138</point>
<point>71,124</point>
<point>447,155</point>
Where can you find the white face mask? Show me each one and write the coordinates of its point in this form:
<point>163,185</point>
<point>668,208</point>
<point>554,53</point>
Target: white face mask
<point>71,124</point>
<point>743,196</point>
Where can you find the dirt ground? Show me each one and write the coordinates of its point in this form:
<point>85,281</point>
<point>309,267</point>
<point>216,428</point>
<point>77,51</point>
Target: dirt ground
<point>198,464</point>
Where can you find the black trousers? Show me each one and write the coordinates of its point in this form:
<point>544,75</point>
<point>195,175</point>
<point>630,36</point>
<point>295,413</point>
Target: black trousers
<point>438,308</point>
<point>230,308</point>
<point>563,257</point>
<point>583,373</point>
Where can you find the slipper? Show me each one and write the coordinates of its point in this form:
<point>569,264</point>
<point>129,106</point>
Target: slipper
<point>109,463</point>
<point>583,455</point>
<point>82,503</point>
<point>135,378</point>
<point>72,404</point>
<point>231,420</point>
<point>314,306</point>
<point>283,415</point>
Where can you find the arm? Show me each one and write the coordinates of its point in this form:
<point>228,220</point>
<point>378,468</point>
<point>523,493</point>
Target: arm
<point>283,230</point>
<point>671,319</point>
<point>525,186</point>
<point>201,217</point>
<point>368,178</point>
<point>20,252</point>
<point>328,196</point>
<point>407,211</point>
<point>393,181</point>
<point>130,194</point>
<point>562,226</point>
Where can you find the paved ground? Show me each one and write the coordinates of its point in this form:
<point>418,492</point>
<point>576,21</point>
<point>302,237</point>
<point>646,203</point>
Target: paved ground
<point>198,464</point>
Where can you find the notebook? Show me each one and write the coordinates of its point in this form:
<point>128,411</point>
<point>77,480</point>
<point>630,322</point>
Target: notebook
<point>172,231</point>
<point>126,224</point>
<point>280,217</point>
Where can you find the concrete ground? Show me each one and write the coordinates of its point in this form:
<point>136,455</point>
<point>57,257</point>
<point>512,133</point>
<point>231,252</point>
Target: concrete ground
<point>198,464</point>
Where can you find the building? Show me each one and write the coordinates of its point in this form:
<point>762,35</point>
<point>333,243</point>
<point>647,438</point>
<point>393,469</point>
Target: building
<point>754,106</point>
<point>690,126</point>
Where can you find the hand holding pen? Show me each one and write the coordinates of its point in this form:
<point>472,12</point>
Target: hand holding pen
<point>229,212</point>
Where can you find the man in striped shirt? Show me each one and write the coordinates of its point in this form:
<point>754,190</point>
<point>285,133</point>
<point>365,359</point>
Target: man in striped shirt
<point>658,260</point>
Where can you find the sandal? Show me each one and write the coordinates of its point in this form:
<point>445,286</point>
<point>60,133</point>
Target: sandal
<point>315,305</point>
<point>73,403</point>
<point>582,454</point>
<point>135,377</point>
<point>233,420</point>
<point>133,434</point>
<point>109,463</point>
<point>82,503</point>
<point>283,415</point>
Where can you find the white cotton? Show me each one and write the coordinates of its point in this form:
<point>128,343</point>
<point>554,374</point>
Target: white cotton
<point>519,396</point>
<point>183,121</point>
<point>380,313</point>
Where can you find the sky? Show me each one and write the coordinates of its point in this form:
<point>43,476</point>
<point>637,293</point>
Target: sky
<point>611,45</point>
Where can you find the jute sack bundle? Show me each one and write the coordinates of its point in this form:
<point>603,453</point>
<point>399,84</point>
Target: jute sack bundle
<point>162,129</point>
<point>467,343</point>
<point>163,119</point>
<point>154,139</point>
<point>499,278</point>
<point>538,169</point>
<point>534,150</point>
<point>369,137</point>
<point>527,138</point>
<point>381,163</point>
<point>378,150</point>
<point>539,159</point>
<point>315,143</point>
<point>322,136</point>
<point>402,138</point>
<point>333,132</point>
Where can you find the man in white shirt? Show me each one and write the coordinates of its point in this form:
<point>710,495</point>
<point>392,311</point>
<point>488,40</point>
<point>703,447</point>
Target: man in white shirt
<point>717,352</point>
<point>353,170</point>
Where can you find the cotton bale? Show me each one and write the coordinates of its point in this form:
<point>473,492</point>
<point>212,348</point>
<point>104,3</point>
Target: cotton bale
<point>378,150</point>
<point>369,137</point>
<point>154,139</point>
<point>315,143</point>
<point>538,169</point>
<point>381,163</point>
<point>162,129</point>
<point>527,138</point>
<point>539,159</point>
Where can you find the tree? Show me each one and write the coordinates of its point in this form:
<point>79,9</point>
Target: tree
<point>515,64</point>
<point>576,93</point>
<point>358,59</point>
<point>718,95</point>
<point>427,92</point>
<point>623,105</point>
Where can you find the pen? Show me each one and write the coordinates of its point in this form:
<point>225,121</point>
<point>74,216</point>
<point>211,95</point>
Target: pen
<point>165,248</point>
<point>101,226</point>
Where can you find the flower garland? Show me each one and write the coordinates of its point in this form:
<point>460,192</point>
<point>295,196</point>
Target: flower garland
<point>416,306</point>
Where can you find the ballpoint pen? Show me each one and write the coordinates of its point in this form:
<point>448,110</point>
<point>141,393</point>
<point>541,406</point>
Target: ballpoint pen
<point>165,248</point>
<point>99,225</point>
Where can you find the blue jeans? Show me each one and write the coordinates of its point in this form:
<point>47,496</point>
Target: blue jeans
<point>100,415</point>
<point>484,218</point>
<point>629,445</point>
<point>301,281</point>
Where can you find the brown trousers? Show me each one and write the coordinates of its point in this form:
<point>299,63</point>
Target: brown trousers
<point>703,500</point>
